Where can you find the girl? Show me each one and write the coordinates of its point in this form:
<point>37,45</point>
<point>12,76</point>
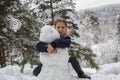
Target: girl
<point>55,60</point>
<point>61,26</point>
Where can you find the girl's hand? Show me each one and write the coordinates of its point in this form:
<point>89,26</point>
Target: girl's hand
<point>54,51</point>
<point>50,49</point>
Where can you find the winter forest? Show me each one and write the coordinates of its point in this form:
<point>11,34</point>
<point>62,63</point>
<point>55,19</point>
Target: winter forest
<point>95,34</point>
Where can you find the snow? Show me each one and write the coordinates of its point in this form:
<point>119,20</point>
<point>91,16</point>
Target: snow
<point>24,1</point>
<point>106,72</point>
<point>14,23</point>
<point>84,4</point>
<point>107,52</point>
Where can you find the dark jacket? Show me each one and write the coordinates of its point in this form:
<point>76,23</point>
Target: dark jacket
<point>63,42</point>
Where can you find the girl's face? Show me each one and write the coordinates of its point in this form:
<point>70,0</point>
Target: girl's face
<point>61,28</point>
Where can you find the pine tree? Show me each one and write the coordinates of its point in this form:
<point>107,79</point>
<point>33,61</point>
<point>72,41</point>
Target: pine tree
<point>66,11</point>
<point>19,30</point>
<point>27,35</point>
<point>6,34</point>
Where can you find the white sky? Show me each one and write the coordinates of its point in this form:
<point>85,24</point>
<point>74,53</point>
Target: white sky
<point>84,4</point>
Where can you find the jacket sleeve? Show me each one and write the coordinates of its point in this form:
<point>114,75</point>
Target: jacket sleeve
<point>41,47</point>
<point>62,42</point>
<point>58,43</point>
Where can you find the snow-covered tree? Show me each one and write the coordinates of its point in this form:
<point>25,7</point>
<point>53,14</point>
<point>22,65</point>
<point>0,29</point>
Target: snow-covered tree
<point>89,19</point>
<point>90,24</point>
<point>19,30</point>
<point>65,9</point>
<point>6,32</point>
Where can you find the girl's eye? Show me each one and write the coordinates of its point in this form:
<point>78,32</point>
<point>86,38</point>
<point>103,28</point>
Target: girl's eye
<point>58,27</point>
<point>62,27</point>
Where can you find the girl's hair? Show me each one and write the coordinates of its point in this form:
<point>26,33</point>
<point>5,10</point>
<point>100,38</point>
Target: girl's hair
<point>60,20</point>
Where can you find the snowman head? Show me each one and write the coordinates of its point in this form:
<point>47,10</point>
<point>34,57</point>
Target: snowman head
<point>48,34</point>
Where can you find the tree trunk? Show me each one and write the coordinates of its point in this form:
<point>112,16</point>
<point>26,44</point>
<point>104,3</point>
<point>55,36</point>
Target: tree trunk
<point>52,15</point>
<point>2,54</point>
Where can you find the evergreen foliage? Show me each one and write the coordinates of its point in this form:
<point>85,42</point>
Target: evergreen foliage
<point>76,49</point>
<point>89,19</point>
<point>20,30</point>
<point>6,33</point>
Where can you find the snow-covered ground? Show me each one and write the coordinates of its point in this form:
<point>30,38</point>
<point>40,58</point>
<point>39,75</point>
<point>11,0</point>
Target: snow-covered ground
<point>106,72</point>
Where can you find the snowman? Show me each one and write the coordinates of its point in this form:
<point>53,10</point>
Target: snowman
<point>55,66</point>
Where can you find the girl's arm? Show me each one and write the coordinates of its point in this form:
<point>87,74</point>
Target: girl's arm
<point>62,42</point>
<point>58,43</point>
<point>41,47</point>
